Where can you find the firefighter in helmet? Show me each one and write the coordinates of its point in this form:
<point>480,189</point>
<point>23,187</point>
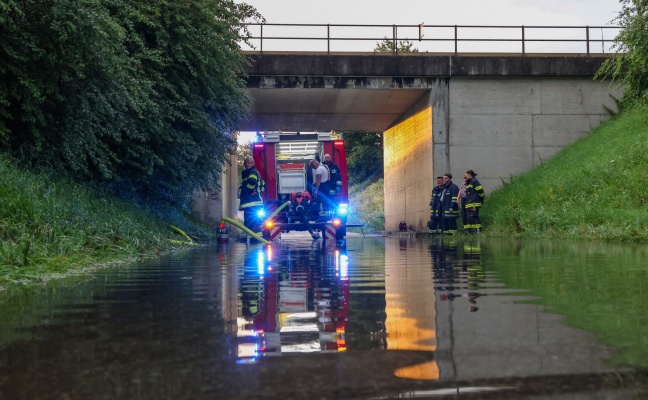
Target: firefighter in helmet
<point>249,194</point>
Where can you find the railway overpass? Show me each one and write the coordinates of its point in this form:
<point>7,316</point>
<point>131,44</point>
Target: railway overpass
<point>499,114</point>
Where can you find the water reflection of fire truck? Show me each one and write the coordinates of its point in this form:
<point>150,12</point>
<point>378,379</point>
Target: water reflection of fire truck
<point>298,307</point>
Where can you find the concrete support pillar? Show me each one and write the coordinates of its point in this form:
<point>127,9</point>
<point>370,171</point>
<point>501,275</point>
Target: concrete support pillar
<point>230,207</point>
<point>440,101</point>
<point>408,150</point>
<point>212,206</point>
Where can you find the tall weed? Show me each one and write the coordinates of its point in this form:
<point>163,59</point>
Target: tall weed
<point>50,225</point>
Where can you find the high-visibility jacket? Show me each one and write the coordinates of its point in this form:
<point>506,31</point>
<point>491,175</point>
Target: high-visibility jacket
<point>435,201</point>
<point>474,193</point>
<point>251,188</point>
<point>448,199</point>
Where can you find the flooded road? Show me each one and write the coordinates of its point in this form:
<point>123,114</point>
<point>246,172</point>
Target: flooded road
<point>384,318</point>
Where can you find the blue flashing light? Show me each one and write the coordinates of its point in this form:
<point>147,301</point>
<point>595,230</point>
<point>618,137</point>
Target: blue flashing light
<point>261,213</point>
<point>343,209</point>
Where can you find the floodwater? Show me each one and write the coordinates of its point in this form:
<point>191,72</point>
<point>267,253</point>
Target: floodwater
<point>388,317</point>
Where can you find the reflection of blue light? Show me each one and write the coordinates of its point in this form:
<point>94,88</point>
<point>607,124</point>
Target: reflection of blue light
<point>344,266</point>
<point>269,251</point>
<point>261,213</point>
<point>343,209</point>
<point>250,360</point>
<point>261,262</point>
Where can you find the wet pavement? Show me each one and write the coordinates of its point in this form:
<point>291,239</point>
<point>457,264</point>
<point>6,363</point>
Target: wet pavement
<point>387,317</point>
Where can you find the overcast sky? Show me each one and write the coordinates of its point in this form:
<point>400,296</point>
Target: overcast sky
<point>430,13</point>
<point>437,12</point>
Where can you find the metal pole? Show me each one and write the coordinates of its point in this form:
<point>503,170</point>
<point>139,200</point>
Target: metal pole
<point>261,38</point>
<point>328,38</point>
<point>455,40</point>
<point>587,39</point>
<point>395,39</point>
<point>523,42</point>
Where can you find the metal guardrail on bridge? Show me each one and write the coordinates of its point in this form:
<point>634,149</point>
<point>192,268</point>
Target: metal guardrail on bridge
<point>431,38</point>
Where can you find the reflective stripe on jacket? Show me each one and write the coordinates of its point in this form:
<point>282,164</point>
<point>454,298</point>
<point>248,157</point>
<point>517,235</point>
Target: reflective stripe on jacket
<point>448,198</point>
<point>435,201</point>
<point>251,182</point>
<point>474,193</point>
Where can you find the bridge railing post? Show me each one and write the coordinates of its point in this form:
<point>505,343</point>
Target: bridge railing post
<point>268,35</point>
<point>523,42</point>
<point>328,38</point>
<point>395,39</point>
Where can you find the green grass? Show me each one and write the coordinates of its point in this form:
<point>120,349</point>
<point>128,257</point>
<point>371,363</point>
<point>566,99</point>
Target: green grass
<point>595,188</point>
<point>368,206</point>
<point>50,226</point>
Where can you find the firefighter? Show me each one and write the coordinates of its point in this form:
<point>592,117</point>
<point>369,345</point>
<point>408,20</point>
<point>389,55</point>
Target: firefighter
<point>310,180</point>
<point>461,202</point>
<point>449,209</point>
<point>249,194</point>
<point>434,224</point>
<point>474,200</point>
<point>321,178</point>
<point>300,203</point>
<point>335,182</point>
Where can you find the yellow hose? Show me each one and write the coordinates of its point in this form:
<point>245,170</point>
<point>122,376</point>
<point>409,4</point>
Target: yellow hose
<point>278,209</point>
<point>245,229</point>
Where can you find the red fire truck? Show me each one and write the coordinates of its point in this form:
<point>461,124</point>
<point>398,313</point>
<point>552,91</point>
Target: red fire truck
<point>283,159</point>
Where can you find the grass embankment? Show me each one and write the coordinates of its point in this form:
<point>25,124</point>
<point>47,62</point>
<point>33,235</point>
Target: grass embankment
<point>594,189</point>
<point>368,206</point>
<point>50,226</point>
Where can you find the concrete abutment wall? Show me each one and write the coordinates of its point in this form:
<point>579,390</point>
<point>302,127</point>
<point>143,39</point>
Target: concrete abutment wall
<point>502,127</point>
<point>408,162</point>
<point>497,126</point>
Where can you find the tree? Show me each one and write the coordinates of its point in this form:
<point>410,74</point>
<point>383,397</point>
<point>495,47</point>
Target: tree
<point>389,46</point>
<point>141,96</point>
<point>630,66</point>
<point>364,152</point>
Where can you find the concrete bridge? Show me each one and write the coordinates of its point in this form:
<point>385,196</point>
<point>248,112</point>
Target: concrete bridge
<point>499,115</point>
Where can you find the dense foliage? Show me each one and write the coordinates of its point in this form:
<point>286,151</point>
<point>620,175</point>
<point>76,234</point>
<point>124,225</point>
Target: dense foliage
<point>630,66</point>
<point>364,151</point>
<point>139,95</point>
<point>368,205</point>
<point>50,225</point>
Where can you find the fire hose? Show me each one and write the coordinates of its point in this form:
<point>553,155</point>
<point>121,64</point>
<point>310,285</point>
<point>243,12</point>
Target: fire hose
<point>246,230</point>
